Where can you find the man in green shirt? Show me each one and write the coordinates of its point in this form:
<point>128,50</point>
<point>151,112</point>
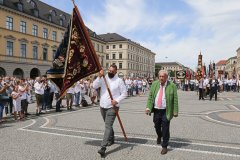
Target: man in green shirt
<point>163,102</point>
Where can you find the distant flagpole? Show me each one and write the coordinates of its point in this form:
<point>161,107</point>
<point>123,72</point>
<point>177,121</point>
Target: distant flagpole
<point>97,61</point>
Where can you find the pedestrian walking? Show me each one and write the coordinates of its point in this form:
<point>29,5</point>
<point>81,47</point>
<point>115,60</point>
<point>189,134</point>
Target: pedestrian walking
<point>108,107</point>
<point>163,102</point>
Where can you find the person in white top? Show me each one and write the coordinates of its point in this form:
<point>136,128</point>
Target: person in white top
<point>238,83</point>
<point>69,95</point>
<point>39,91</point>
<point>128,83</point>
<point>109,107</point>
<point>77,90</point>
<point>16,102</point>
<point>22,89</point>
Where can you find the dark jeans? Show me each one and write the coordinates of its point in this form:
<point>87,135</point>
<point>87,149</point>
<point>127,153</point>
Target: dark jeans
<point>213,91</point>
<point>58,102</point>
<point>9,106</point>
<point>77,98</point>
<point>46,99</point>
<point>200,93</point>
<point>109,116</point>
<point>51,99</point>
<point>1,110</point>
<point>162,125</point>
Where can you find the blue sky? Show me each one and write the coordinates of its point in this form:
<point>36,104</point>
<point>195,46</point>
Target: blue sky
<point>177,29</point>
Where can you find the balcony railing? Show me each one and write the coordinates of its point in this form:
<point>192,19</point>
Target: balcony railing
<point>24,60</point>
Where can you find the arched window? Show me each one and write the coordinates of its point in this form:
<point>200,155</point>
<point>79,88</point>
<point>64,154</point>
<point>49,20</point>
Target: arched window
<point>18,72</point>
<point>2,72</point>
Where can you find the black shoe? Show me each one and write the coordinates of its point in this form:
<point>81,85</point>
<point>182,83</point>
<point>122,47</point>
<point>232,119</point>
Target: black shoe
<point>102,151</point>
<point>28,114</point>
<point>164,150</point>
<point>159,140</point>
<point>59,111</point>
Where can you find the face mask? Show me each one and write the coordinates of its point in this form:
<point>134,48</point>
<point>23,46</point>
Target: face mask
<point>111,75</point>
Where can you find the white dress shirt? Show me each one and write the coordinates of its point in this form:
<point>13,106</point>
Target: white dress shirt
<point>77,87</point>
<point>70,90</point>
<point>117,88</point>
<point>163,98</point>
<point>39,88</point>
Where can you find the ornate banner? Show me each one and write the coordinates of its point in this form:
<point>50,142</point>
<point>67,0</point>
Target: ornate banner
<point>81,60</point>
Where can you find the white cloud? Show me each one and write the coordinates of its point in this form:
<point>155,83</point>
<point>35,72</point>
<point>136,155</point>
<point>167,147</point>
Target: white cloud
<point>127,16</point>
<point>214,31</point>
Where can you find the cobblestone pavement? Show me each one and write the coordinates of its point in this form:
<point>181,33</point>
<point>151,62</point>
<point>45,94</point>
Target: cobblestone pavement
<point>204,130</point>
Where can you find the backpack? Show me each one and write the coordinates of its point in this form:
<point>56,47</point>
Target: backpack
<point>84,103</point>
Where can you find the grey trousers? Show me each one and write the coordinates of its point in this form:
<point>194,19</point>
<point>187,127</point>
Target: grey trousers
<point>109,116</point>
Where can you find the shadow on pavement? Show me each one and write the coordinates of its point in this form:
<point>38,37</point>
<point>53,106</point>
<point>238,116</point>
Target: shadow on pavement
<point>132,142</point>
<point>179,142</point>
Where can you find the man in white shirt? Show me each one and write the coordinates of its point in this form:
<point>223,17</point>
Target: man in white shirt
<point>39,91</point>
<point>109,107</point>
<point>128,83</point>
<point>77,90</point>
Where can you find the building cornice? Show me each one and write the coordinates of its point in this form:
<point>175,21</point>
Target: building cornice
<point>10,37</point>
<point>23,40</point>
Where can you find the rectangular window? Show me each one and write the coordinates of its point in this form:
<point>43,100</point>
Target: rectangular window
<point>23,50</point>
<point>107,56</point>
<point>45,33</point>
<point>120,55</point>
<point>53,54</point>
<point>23,27</point>
<point>113,56</point>
<point>120,65</point>
<point>107,47</point>
<point>45,50</point>
<point>102,48</point>
<point>9,23</point>
<point>35,52</point>
<point>54,36</point>
<point>9,48</point>
<point>120,45</point>
<point>20,7</point>
<point>35,12</point>
<point>62,36</point>
<point>128,66</point>
<point>114,46</point>
<point>61,22</point>
<point>35,30</point>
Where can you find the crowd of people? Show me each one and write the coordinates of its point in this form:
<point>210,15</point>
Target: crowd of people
<point>211,86</point>
<point>16,94</point>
